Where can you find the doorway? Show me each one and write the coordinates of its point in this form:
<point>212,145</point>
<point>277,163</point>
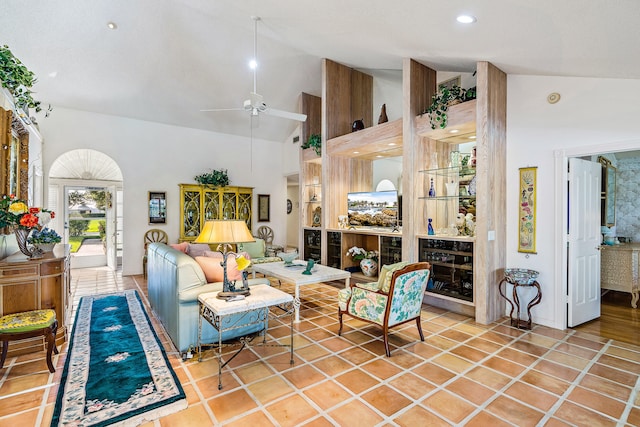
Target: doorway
<point>293,211</point>
<point>562,212</point>
<point>85,189</point>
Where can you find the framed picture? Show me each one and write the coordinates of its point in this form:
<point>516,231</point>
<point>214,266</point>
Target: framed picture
<point>157,207</point>
<point>527,210</point>
<point>263,207</point>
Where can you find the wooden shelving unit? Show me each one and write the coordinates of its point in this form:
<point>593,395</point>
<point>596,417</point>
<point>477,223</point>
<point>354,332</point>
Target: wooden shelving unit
<point>347,95</point>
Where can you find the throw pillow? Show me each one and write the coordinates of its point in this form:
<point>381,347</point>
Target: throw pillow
<point>386,274</point>
<point>212,268</point>
<point>197,249</point>
<point>182,247</point>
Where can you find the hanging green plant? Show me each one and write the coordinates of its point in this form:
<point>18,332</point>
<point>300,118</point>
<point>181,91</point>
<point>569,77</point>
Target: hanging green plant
<point>315,142</point>
<point>441,101</point>
<point>18,80</point>
<point>216,178</point>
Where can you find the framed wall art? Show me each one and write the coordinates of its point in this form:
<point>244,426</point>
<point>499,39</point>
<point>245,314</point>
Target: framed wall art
<point>157,207</point>
<point>527,210</point>
<point>263,207</point>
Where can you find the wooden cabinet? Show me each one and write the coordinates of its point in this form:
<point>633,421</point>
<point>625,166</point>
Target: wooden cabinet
<point>33,285</point>
<point>451,267</point>
<point>312,245</point>
<point>620,266</point>
<point>199,203</point>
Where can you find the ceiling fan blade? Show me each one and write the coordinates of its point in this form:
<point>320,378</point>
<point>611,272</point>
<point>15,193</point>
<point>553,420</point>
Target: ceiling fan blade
<point>286,114</point>
<point>222,109</point>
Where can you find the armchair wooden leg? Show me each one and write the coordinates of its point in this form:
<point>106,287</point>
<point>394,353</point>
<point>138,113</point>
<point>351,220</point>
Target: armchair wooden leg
<point>51,345</point>
<point>340,319</point>
<point>419,325</point>
<point>385,334</point>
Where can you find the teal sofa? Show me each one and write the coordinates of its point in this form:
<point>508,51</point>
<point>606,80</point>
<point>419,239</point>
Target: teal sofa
<point>174,281</point>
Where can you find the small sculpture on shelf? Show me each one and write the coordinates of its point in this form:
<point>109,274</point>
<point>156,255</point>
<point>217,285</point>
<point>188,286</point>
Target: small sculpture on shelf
<point>432,190</point>
<point>357,125</point>
<point>383,115</point>
<point>430,230</point>
<point>310,264</point>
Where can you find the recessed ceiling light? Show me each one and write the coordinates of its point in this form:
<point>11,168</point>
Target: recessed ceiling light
<point>112,25</point>
<point>466,19</point>
<point>253,64</point>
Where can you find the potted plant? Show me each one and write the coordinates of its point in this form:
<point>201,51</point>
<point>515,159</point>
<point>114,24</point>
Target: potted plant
<point>18,80</point>
<point>315,142</point>
<point>446,97</point>
<point>368,260</point>
<point>44,239</point>
<point>216,178</point>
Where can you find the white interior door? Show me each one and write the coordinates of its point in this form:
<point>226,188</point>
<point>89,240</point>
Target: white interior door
<point>583,241</point>
<point>111,229</point>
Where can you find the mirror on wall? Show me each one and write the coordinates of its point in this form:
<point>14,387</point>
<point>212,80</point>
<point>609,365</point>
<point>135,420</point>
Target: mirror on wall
<point>608,193</point>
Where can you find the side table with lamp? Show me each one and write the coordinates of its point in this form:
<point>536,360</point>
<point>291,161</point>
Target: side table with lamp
<point>225,233</point>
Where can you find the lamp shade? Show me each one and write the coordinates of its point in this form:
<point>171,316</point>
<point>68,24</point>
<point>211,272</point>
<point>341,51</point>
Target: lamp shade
<point>225,231</point>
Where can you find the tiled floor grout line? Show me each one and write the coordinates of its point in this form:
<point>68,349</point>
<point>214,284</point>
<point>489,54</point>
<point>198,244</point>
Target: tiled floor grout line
<point>630,403</point>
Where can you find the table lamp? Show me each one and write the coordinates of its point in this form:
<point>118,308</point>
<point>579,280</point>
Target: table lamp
<point>225,233</point>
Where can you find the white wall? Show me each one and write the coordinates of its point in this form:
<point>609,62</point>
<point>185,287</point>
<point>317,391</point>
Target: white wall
<point>591,113</point>
<point>158,157</point>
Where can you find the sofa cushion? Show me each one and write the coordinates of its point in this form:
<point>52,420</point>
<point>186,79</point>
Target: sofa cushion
<point>386,274</point>
<point>197,249</point>
<point>255,249</point>
<point>213,270</point>
<point>182,247</point>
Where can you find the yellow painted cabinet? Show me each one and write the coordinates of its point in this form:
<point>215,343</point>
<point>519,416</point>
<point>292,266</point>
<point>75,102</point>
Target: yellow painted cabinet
<point>199,203</point>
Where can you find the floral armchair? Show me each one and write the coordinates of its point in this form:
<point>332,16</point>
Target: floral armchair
<point>395,299</point>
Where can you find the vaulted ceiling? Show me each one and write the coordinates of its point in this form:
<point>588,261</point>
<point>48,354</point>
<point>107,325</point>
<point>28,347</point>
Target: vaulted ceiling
<point>168,59</point>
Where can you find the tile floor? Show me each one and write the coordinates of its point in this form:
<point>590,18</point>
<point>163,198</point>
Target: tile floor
<point>463,374</point>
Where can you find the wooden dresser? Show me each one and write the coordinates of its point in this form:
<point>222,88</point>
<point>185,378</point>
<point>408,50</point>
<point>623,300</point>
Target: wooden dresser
<point>619,266</point>
<point>36,284</point>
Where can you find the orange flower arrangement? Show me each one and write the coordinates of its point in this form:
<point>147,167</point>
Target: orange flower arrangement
<point>15,212</point>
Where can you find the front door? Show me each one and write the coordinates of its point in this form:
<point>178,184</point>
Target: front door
<point>583,241</point>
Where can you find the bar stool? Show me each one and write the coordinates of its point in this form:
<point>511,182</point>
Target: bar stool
<point>29,324</point>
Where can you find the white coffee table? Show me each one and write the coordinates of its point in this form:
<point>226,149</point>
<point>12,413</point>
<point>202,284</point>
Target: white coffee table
<point>293,274</point>
<point>254,309</point>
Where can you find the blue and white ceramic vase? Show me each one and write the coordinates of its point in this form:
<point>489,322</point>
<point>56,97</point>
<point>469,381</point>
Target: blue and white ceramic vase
<point>369,267</point>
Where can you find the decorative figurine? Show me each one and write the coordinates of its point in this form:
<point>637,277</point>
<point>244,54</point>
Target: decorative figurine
<point>430,230</point>
<point>432,190</point>
<point>357,125</point>
<point>310,264</point>
<point>383,115</point>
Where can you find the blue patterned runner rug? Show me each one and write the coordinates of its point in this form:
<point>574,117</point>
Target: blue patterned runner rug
<point>116,372</point>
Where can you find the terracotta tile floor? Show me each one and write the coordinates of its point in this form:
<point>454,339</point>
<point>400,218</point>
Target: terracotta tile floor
<point>463,374</point>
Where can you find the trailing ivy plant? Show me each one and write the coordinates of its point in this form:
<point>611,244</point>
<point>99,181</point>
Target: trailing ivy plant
<point>18,80</point>
<point>441,101</point>
<point>216,178</point>
<point>315,142</point>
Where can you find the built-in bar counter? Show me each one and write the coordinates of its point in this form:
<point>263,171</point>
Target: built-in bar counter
<point>43,283</point>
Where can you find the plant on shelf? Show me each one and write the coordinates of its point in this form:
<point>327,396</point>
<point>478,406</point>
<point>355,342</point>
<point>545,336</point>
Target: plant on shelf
<point>446,97</point>
<point>216,178</point>
<point>46,235</point>
<point>359,254</point>
<point>18,80</point>
<point>315,142</point>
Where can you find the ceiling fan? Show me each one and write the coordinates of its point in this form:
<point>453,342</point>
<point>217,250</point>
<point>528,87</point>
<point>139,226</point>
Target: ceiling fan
<point>255,104</point>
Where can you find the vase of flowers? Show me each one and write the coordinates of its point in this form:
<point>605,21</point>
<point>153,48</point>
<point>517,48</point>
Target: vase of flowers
<point>368,260</point>
<point>44,239</point>
<point>17,215</point>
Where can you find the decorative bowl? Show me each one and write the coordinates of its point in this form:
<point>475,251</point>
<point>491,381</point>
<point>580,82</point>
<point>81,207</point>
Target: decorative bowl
<point>520,275</point>
<point>288,257</point>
